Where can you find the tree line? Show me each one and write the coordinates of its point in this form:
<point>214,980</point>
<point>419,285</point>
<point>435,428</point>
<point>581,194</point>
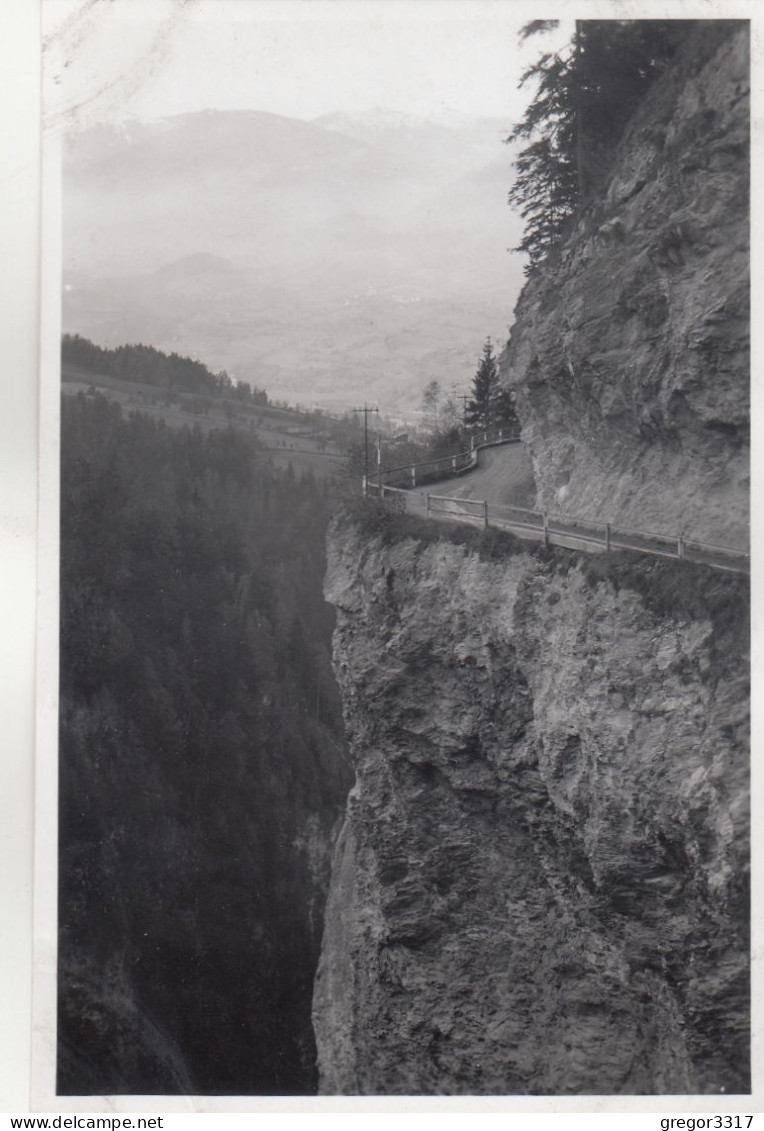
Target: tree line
<point>151,366</point>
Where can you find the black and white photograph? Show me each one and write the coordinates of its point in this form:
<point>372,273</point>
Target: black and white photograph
<point>396,423</point>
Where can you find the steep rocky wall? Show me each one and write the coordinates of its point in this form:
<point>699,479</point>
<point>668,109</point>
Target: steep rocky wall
<point>630,349</point>
<point>540,883</point>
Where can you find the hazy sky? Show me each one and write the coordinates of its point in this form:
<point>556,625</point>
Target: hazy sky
<point>110,59</point>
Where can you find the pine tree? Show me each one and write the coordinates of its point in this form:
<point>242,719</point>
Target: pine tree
<point>485,387</point>
<point>545,190</point>
<point>584,97</point>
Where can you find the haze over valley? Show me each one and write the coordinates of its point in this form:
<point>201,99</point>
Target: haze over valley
<point>354,256</point>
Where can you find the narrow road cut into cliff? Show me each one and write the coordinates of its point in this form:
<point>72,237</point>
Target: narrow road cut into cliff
<point>496,490</point>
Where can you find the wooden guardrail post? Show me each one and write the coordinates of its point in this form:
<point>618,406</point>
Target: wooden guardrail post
<point>364,486</point>
<point>607,537</point>
<point>413,475</point>
<point>485,512</point>
<point>546,528</point>
<point>680,547</point>
<point>427,497</point>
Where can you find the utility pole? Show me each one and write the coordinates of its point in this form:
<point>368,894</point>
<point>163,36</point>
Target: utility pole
<point>379,463</point>
<point>365,410</point>
<point>464,397</point>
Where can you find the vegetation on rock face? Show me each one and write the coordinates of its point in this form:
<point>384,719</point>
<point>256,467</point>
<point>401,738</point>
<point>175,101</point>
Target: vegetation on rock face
<point>584,97</point>
<point>201,766</point>
<point>387,520</point>
<point>634,393</point>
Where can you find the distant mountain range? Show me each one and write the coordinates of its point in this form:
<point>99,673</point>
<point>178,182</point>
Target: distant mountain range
<point>358,255</point>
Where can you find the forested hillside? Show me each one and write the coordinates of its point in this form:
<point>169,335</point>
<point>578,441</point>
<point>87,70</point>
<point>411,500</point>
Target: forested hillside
<point>153,367</point>
<point>201,760</point>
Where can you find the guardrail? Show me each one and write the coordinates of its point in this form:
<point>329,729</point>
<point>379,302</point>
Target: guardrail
<point>565,530</point>
<point>430,470</point>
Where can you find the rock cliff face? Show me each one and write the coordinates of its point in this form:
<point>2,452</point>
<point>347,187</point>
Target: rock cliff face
<point>630,348</point>
<point>540,883</point>
<point>540,886</point>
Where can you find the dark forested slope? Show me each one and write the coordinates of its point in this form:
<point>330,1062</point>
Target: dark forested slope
<point>201,760</point>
